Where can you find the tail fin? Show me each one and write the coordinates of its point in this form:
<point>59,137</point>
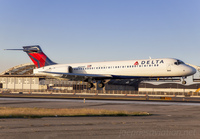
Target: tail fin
<point>37,56</point>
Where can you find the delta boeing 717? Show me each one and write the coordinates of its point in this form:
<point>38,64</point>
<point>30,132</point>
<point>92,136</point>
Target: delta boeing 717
<point>102,71</point>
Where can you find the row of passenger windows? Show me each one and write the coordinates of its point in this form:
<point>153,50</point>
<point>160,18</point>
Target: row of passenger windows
<point>116,67</point>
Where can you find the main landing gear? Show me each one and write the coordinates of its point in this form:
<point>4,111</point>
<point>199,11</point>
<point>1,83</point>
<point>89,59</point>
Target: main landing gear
<point>90,85</point>
<point>100,85</point>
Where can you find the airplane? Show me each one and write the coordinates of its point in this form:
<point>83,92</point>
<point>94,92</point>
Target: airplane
<point>102,71</point>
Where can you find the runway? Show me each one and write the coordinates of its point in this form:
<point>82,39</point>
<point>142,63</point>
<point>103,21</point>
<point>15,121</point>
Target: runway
<point>168,120</point>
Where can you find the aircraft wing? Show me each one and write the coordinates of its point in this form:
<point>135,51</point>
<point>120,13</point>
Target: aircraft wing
<point>79,76</point>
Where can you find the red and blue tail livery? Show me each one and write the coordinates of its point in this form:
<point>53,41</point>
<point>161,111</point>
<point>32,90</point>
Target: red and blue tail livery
<point>37,56</point>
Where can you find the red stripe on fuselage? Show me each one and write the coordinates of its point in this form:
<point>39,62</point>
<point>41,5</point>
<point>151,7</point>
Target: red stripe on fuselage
<point>41,57</point>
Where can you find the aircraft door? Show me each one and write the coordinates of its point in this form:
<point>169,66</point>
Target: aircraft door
<point>168,67</point>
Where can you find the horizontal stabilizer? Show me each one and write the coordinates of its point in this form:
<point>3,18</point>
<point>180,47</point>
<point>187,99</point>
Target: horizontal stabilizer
<point>15,49</point>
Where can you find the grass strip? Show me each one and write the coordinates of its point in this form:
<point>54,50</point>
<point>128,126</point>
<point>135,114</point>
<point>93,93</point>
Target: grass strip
<point>12,112</point>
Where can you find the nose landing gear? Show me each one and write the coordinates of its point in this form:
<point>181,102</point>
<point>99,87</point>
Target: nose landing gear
<point>184,82</point>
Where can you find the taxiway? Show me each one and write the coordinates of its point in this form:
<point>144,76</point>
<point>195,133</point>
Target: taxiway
<point>168,120</point>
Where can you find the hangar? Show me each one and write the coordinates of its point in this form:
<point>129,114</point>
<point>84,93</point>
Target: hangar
<point>21,78</point>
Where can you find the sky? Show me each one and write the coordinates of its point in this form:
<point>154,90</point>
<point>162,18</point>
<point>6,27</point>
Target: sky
<point>76,31</point>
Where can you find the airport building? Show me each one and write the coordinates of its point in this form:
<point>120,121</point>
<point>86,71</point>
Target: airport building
<point>21,78</point>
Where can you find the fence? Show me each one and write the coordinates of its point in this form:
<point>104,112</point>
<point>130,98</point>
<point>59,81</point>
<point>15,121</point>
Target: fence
<point>96,92</point>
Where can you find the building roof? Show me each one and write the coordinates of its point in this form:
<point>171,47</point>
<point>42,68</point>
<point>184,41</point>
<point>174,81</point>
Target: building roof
<point>23,69</point>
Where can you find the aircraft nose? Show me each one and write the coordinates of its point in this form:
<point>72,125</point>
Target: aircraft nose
<point>190,70</point>
<point>194,70</point>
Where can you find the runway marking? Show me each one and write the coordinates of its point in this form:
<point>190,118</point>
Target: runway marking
<point>101,101</point>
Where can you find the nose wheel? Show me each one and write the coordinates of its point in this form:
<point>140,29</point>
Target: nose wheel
<point>184,82</point>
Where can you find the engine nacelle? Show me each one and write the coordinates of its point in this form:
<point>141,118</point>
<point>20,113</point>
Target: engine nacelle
<point>63,69</point>
<point>54,68</point>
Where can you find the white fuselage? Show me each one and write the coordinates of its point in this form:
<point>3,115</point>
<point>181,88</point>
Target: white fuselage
<point>167,67</point>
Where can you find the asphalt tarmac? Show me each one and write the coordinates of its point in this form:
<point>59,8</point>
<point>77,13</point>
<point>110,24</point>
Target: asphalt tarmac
<point>168,120</point>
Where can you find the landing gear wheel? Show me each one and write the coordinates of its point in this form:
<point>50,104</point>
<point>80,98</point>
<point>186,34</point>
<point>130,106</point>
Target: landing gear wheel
<point>101,85</point>
<point>184,82</point>
<point>90,85</point>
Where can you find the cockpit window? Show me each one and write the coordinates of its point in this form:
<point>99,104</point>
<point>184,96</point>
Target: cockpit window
<point>178,62</point>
